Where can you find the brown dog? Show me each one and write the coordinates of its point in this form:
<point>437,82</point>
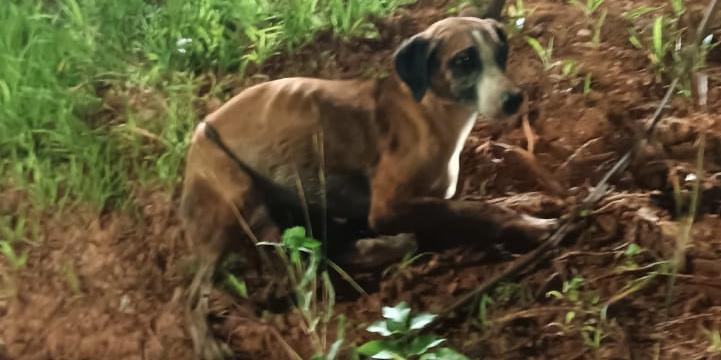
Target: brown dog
<point>378,157</point>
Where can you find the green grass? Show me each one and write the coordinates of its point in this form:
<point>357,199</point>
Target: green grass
<point>98,98</point>
<point>59,141</point>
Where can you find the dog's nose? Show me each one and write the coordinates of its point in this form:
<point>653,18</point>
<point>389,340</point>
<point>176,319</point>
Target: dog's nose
<point>512,100</point>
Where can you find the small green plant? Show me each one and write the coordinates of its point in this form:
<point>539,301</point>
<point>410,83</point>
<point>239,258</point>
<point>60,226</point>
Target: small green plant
<point>587,317</point>
<point>635,14</point>
<point>401,341</point>
<point>483,308</point>
<point>71,277</point>
<point>669,57</point>
<point>314,295</point>
<point>630,254</point>
<point>510,291</point>
<point>349,18</point>
<point>678,7</point>
<point>592,330</point>
<point>589,7</point>
<point>597,27</point>
<point>569,291</point>
<point>335,348</point>
<point>632,16</point>
<point>569,69</point>
<point>236,285</point>
<point>545,54</point>
<point>659,47</point>
<point>587,80</point>
<point>504,293</point>
<point>16,260</point>
<point>634,39</point>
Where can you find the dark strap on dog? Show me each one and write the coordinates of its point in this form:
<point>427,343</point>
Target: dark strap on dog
<point>212,134</point>
<point>278,193</point>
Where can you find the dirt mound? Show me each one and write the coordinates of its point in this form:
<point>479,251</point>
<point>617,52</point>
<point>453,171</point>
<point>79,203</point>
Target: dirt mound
<point>100,287</point>
<point>110,286</point>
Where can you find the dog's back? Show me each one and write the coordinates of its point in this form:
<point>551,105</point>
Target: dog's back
<point>278,126</point>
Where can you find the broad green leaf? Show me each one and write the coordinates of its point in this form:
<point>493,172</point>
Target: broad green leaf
<point>294,237</point>
<point>398,313</point>
<point>379,349</point>
<point>422,343</point>
<point>397,327</point>
<point>421,320</point>
<point>311,244</point>
<point>444,353</point>
<point>386,354</point>
<point>371,347</point>
<point>379,327</point>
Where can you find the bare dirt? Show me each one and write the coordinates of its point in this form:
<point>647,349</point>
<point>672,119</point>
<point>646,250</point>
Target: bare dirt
<point>109,286</point>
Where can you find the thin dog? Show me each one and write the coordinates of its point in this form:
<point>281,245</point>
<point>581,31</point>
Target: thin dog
<point>357,158</point>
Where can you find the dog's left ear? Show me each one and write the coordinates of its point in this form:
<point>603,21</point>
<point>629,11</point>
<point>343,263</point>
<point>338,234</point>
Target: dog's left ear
<point>412,64</point>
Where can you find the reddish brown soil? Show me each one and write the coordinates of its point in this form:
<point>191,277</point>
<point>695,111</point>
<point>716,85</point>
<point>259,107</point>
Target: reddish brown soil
<point>109,286</point>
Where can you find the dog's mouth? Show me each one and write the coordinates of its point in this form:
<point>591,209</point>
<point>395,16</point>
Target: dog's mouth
<point>499,121</point>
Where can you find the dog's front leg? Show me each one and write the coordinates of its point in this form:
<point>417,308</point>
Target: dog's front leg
<point>458,221</point>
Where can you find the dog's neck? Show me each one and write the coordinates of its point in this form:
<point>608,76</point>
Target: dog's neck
<point>445,116</point>
<point>444,124</point>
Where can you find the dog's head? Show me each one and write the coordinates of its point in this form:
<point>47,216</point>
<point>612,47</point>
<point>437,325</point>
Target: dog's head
<point>462,59</point>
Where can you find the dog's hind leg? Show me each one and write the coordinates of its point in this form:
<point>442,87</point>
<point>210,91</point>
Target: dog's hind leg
<point>220,209</point>
<point>205,229</point>
<point>214,224</point>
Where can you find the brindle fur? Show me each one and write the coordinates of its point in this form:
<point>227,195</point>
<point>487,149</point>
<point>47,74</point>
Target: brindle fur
<point>382,154</point>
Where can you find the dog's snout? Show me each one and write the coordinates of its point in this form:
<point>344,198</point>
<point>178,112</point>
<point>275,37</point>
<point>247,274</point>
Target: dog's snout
<point>512,101</point>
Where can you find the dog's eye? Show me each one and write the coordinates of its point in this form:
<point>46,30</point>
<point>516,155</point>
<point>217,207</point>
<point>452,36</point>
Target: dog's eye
<point>465,61</point>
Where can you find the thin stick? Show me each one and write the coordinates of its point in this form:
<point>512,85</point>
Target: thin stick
<point>709,12</point>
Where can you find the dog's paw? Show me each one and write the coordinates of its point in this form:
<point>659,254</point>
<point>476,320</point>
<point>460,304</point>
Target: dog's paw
<point>527,232</point>
<point>380,251</point>
<point>538,224</point>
